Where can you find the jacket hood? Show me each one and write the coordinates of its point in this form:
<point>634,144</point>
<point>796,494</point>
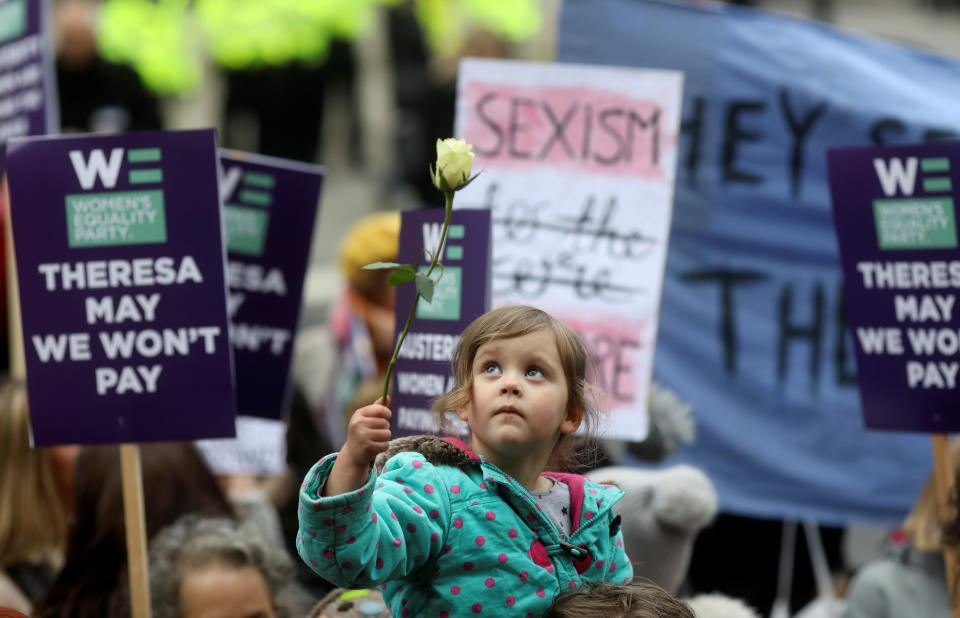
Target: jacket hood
<point>436,450</point>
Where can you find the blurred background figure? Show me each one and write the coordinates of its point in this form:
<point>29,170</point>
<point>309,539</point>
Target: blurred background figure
<point>910,579</point>
<point>35,490</point>
<point>96,95</point>
<point>210,567</point>
<point>93,580</point>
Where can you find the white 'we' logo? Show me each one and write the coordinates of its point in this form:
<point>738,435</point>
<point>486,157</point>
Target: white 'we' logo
<point>97,166</point>
<point>893,174</point>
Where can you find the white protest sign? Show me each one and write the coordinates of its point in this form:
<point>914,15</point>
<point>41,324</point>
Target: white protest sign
<point>578,168</point>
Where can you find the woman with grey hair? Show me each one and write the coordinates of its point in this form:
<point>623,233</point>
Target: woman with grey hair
<point>202,567</point>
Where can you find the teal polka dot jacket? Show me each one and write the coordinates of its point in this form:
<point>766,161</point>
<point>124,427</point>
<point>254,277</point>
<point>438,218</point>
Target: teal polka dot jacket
<point>446,533</point>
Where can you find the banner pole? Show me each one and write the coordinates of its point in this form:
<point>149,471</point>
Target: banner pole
<point>944,475</point>
<point>133,516</point>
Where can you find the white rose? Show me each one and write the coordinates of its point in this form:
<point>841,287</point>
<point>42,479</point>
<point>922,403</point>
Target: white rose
<point>454,160</point>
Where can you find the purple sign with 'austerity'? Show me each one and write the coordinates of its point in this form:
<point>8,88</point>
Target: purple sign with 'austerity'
<point>896,221</point>
<point>120,261</point>
<point>28,89</point>
<point>462,294</point>
<point>269,209</point>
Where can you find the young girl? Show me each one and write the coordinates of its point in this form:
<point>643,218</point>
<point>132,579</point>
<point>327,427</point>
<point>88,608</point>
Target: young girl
<point>451,530</point>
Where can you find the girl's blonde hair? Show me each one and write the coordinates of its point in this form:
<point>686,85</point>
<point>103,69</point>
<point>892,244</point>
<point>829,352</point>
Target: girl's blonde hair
<point>33,522</point>
<point>922,524</point>
<point>517,321</point>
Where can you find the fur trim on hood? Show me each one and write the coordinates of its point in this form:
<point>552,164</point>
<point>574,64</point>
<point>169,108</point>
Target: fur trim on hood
<point>438,451</point>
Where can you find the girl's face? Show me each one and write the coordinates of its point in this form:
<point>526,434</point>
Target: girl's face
<point>518,407</point>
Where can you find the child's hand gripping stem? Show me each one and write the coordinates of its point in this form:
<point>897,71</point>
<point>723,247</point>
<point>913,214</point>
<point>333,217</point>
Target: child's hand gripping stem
<point>368,435</point>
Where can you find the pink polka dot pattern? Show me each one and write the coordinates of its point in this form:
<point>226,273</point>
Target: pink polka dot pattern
<point>347,510</point>
<point>455,489</point>
<point>588,514</point>
<point>480,541</point>
<point>373,516</point>
<point>512,533</point>
<point>399,480</point>
<point>599,565</point>
<point>379,563</point>
<point>613,566</point>
<point>417,508</point>
<point>417,464</point>
<point>593,491</point>
<point>411,528</point>
<point>491,515</point>
<point>434,537</point>
<point>477,608</point>
<point>524,576</point>
<point>393,516</point>
<point>454,590</point>
<point>351,540</point>
<point>483,485</point>
<point>458,523</point>
<point>408,490</point>
<point>329,555</point>
<point>397,542</point>
<point>428,488</point>
<point>502,558</point>
<point>489,582</point>
<point>467,566</point>
<point>444,614</point>
<point>434,513</point>
<point>541,593</point>
<point>572,586</point>
<point>511,601</point>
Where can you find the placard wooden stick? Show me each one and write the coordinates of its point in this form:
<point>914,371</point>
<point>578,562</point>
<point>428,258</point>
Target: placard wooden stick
<point>133,515</point>
<point>944,476</point>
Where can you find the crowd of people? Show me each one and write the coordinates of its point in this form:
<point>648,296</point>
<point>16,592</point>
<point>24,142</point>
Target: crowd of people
<point>526,517</point>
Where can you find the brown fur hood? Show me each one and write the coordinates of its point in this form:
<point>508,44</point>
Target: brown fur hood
<point>436,450</point>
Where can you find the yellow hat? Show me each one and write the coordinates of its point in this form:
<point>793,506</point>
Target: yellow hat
<point>373,238</point>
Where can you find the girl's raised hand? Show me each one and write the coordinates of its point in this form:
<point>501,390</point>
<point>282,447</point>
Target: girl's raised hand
<point>368,435</point>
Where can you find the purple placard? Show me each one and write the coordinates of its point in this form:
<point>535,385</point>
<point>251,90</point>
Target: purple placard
<point>270,206</point>
<point>28,88</point>
<point>895,214</point>
<point>120,261</point>
<point>422,372</point>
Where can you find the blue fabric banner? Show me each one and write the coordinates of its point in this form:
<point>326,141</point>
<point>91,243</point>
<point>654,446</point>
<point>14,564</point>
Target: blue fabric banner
<point>753,329</point>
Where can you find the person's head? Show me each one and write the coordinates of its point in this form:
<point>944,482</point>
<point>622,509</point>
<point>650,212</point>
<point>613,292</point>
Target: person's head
<point>176,481</point>
<point>639,599</point>
<point>210,567</point>
<point>547,369</point>
<point>374,238</point>
<point>922,525</point>
<point>76,39</point>
<point>33,518</point>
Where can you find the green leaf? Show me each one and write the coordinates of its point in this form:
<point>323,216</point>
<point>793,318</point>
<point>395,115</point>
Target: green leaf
<point>386,265</point>
<point>425,287</point>
<point>401,276</point>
